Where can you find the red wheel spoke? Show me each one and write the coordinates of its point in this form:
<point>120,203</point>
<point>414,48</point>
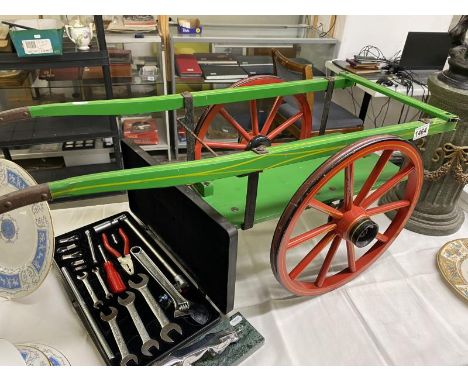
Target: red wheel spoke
<point>351,256</point>
<point>333,212</point>
<point>234,123</point>
<point>303,237</point>
<point>284,125</point>
<point>388,207</point>
<point>311,255</point>
<point>374,175</point>
<point>389,184</point>
<point>349,187</point>
<point>381,237</point>
<point>254,117</point>
<point>328,259</point>
<point>271,115</point>
<point>226,145</point>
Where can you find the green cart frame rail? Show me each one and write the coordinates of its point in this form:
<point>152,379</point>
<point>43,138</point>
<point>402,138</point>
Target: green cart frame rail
<point>350,221</point>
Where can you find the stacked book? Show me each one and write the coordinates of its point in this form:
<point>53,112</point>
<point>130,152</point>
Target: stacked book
<point>187,65</point>
<point>222,67</point>
<point>363,65</point>
<point>256,65</point>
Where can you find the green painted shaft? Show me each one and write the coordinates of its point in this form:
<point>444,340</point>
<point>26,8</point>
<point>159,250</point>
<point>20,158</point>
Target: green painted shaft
<point>175,101</point>
<point>410,101</point>
<point>229,165</point>
<point>220,96</point>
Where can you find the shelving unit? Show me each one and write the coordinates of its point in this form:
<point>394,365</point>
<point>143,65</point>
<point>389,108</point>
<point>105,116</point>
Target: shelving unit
<point>158,86</point>
<point>45,130</point>
<point>27,140</point>
<point>237,39</point>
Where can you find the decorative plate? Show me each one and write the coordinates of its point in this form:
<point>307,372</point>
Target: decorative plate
<point>26,238</point>
<point>55,357</point>
<point>33,356</point>
<point>452,260</point>
<point>9,354</point>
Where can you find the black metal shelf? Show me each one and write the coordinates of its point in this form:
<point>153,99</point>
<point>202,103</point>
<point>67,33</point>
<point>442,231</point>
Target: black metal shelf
<point>56,129</point>
<point>47,175</point>
<point>10,61</point>
<point>49,130</point>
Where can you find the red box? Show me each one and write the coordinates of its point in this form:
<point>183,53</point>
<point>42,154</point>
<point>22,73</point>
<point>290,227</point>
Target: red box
<point>142,130</point>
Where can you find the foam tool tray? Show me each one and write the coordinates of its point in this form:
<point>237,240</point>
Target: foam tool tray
<point>73,257</point>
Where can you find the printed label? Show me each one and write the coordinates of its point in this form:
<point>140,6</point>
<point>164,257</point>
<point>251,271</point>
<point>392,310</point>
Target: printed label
<point>236,320</point>
<point>421,131</point>
<point>37,46</point>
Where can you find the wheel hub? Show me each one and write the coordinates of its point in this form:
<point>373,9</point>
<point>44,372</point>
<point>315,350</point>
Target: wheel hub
<point>363,232</point>
<point>259,140</point>
<point>356,227</point>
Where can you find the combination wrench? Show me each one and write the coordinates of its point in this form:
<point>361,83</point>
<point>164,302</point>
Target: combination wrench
<point>148,342</point>
<point>84,278</point>
<point>166,325</point>
<point>182,305</point>
<point>100,337</point>
<point>111,319</point>
<point>103,284</point>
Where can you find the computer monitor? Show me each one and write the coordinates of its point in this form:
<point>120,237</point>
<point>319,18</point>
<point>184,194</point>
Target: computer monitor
<point>425,51</point>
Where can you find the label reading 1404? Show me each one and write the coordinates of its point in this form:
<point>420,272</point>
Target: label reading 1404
<point>421,131</point>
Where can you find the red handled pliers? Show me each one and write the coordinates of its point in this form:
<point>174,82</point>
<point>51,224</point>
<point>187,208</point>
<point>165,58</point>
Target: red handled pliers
<point>125,260</point>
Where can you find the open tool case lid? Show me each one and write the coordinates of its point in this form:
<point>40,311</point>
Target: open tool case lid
<point>198,237</point>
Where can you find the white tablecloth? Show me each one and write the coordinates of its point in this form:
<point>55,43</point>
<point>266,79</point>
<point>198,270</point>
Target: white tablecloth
<point>398,312</point>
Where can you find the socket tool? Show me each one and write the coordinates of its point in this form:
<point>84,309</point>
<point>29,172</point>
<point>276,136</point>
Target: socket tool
<point>166,325</point>
<point>69,239</point>
<point>84,278</point>
<point>179,280</point>
<point>125,260</point>
<point>181,304</point>
<point>91,246</point>
<point>103,284</point>
<point>70,256</point>
<point>100,337</point>
<point>66,248</point>
<point>77,263</point>
<point>148,342</point>
<point>114,280</point>
<point>80,268</point>
<point>111,319</point>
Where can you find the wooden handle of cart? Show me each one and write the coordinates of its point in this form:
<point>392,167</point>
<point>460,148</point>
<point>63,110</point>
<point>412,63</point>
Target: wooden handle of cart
<point>213,168</point>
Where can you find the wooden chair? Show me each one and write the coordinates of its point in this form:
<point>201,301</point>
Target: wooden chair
<point>339,119</point>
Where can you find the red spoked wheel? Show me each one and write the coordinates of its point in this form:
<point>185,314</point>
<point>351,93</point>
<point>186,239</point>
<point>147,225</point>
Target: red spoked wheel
<point>253,131</point>
<point>325,257</point>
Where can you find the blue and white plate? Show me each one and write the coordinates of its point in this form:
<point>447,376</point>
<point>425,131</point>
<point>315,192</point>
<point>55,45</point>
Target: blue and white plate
<point>55,357</point>
<point>33,356</point>
<point>26,238</point>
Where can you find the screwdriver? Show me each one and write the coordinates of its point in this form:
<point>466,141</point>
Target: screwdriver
<point>114,281</point>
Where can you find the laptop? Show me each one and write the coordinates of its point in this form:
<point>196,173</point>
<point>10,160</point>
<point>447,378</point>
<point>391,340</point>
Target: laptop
<point>425,53</point>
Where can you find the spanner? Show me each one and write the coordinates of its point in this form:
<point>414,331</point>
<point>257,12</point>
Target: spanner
<point>84,277</point>
<point>148,342</point>
<point>166,325</point>
<point>103,284</point>
<point>102,340</point>
<point>111,318</point>
<point>182,305</point>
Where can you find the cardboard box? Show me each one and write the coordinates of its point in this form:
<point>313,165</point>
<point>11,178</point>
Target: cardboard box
<point>141,130</point>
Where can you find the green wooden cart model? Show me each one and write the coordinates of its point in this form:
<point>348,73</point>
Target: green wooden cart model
<point>340,175</point>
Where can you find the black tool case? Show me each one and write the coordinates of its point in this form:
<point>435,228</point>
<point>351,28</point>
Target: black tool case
<point>190,235</point>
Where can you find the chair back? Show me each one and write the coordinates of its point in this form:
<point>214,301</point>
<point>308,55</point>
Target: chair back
<point>290,70</point>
